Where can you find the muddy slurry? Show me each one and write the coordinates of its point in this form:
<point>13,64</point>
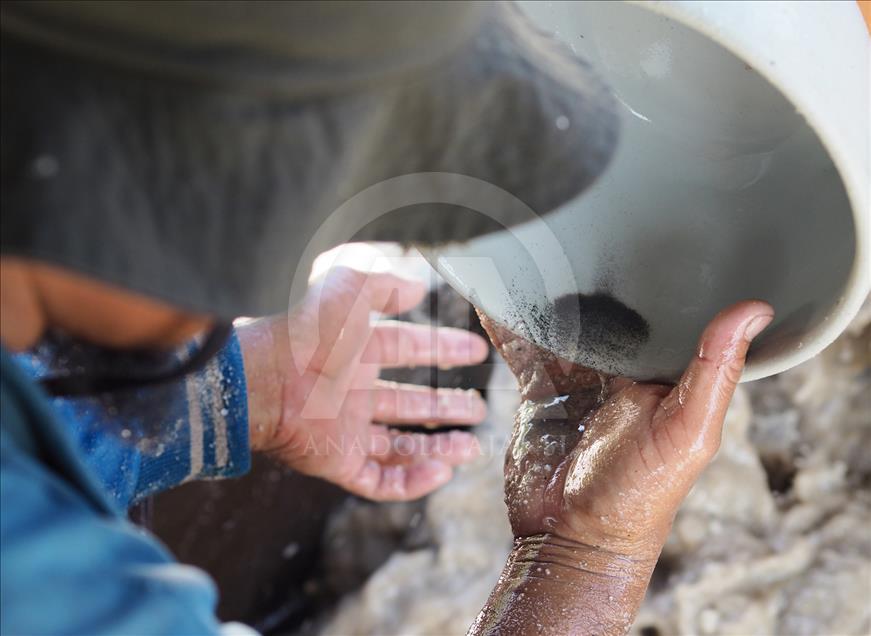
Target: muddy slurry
<point>593,329</point>
<point>603,323</point>
<point>541,375</point>
<point>556,394</point>
<point>557,397</point>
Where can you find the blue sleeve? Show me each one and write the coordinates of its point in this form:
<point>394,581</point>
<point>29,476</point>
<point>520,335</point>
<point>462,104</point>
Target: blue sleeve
<point>203,435</point>
<point>67,569</point>
<point>210,440</point>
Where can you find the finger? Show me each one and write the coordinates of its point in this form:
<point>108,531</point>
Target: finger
<point>703,394</point>
<point>392,294</point>
<point>395,403</point>
<point>389,477</point>
<point>509,345</point>
<point>399,483</point>
<point>340,324</point>
<point>403,344</point>
<point>389,447</point>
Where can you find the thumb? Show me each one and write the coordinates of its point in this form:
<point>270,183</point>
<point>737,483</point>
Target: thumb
<point>703,394</point>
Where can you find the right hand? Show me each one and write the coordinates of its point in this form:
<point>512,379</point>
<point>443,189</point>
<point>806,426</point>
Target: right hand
<point>617,484</point>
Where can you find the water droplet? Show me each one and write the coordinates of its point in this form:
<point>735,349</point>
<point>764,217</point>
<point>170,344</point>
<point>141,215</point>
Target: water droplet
<point>562,122</point>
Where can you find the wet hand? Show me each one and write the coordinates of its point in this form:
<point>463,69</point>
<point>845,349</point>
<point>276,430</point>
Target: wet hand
<point>316,402</point>
<point>605,462</point>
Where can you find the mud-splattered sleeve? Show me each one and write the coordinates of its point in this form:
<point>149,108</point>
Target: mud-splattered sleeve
<point>160,437</point>
<point>210,439</point>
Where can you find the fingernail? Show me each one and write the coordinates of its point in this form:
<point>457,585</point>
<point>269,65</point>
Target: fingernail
<point>756,325</point>
<point>470,404</point>
<point>480,347</point>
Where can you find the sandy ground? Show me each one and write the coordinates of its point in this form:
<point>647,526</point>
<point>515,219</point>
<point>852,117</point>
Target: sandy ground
<point>774,539</point>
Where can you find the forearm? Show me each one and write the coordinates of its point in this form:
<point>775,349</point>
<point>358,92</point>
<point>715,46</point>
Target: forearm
<point>148,440</point>
<point>553,586</point>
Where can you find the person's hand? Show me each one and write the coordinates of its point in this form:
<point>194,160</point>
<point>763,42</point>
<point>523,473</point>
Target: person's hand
<point>594,474</point>
<point>616,483</point>
<point>316,403</point>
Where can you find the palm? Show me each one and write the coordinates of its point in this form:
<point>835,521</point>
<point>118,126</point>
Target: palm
<point>606,461</point>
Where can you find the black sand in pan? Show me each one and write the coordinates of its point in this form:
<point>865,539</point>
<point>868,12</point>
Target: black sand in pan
<point>595,330</point>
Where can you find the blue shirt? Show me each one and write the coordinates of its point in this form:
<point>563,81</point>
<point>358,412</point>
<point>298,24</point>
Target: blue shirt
<point>71,562</point>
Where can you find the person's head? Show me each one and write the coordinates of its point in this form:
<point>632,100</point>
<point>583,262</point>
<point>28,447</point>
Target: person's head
<point>166,166</point>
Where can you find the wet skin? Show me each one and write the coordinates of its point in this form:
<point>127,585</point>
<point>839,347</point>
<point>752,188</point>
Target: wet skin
<point>596,469</point>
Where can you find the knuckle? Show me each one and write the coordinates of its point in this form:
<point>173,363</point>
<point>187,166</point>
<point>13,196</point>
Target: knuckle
<point>708,447</point>
<point>404,405</point>
<point>645,394</point>
<point>387,344</point>
<point>668,409</point>
<point>345,278</point>
<point>411,349</point>
<point>730,371</point>
<point>383,403</point>
<point>379,345</point>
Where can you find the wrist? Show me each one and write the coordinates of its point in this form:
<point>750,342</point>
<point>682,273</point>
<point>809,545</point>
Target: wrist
<point>611,526</point>
<point>570,556</point>
<point>262,381</point>
<point>552,585</point>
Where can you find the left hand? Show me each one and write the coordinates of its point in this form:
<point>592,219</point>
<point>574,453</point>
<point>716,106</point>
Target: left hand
<point>316,403</point>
